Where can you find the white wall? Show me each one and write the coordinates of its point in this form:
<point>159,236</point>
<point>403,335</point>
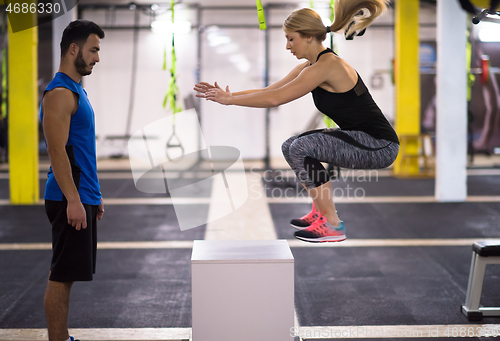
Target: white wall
<point>240,69</point>
<point>244,128</point>
<point>109,86</point>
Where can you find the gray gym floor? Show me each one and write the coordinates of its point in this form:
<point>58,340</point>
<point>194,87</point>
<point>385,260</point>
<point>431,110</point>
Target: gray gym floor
<point>382,278</point>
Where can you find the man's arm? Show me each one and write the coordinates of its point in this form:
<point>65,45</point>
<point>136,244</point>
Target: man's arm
<point>58,106</point>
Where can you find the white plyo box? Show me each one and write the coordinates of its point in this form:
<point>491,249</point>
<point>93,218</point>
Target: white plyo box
<point>242,290</point>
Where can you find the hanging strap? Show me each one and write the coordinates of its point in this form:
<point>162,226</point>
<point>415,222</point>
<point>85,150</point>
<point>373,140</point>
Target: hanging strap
<point>172,92</point>
<point>260,13</point>
<point>171,96</point>
<point>328,121</point>
<point>332,8</point>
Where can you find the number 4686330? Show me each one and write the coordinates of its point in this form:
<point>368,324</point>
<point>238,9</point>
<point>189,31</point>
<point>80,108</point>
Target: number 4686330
<point>41,8</point>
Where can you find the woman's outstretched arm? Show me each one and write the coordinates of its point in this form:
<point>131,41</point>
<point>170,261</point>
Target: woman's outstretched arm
<point>308,79</point>
<point>203,87</point>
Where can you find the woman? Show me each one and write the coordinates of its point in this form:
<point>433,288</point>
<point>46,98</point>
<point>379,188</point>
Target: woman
<point>365,139</point>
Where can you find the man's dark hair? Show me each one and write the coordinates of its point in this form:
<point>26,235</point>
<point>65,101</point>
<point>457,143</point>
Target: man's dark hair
<point>78,32</point>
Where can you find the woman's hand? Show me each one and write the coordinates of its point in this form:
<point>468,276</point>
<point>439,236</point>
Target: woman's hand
<point>203,87</point>
<point>214,93</point>
<point>219,95</point>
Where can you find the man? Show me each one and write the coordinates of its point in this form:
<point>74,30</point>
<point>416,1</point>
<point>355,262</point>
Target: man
<point>73,201</point>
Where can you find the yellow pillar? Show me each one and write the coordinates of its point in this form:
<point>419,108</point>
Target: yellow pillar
<point>407,78</point>
<point>23,108</point>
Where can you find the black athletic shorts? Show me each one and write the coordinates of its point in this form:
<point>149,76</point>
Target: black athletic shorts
<point>73,252</point>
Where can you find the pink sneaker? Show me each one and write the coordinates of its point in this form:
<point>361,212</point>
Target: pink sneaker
<point>322,231</point>
<point>305,221</point>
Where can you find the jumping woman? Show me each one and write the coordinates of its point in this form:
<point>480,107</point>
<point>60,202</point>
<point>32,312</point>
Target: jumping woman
<point>365,140</point>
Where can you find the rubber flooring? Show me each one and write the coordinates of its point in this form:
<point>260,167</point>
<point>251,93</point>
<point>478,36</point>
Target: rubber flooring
<point>345,286</point>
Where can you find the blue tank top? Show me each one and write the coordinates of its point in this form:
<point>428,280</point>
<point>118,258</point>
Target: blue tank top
<point>81,146</point>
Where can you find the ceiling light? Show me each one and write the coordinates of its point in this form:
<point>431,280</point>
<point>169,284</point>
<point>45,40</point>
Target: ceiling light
<point>489,32</point>
<point>166,27</point>
<point>216,39</point>
<point>227,48</point>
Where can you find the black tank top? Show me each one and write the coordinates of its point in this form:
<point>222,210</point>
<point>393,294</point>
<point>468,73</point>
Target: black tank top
<point>354,110</point>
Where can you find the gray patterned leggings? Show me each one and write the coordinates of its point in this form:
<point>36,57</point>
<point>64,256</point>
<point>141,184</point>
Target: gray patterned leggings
<point>342,148</point>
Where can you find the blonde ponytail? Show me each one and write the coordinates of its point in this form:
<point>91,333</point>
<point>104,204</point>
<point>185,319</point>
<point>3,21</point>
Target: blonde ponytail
<point>356,15</point>
<point>350,15</point>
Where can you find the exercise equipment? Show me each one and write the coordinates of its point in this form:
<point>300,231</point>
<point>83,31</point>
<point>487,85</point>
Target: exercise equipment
<point>485,69</point>
<point>332,10</point>
<point>483,253</point>
<point>485,3</point>
<point>172,93</point>
<point>171,96</point>
<point>261,15</point>
<point>328,121</point>
<point>242,290</point>
<point>135,42</point>
<point>490,7</point>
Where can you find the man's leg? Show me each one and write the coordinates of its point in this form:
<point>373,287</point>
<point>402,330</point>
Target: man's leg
<point>56,303</point>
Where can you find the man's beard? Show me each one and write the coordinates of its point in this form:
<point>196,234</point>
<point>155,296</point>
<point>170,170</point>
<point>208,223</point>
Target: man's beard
<point>81,65</point>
